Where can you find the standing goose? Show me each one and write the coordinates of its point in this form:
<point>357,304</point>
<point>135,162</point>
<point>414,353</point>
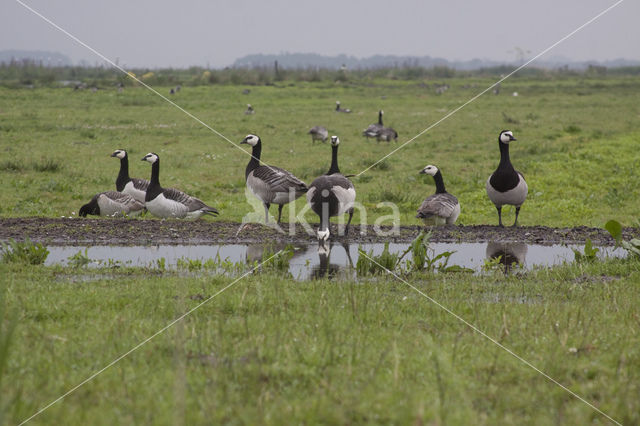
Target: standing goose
<point>319,133</point>
<point>373,129</point>
<point>440,208</point>
<point>331,194</point>
<point>135,187</point>
<point>271,185</point>
<point>340,109</point>
<point>112,203</point>
<point>170,202</point>
<point>506,185</point>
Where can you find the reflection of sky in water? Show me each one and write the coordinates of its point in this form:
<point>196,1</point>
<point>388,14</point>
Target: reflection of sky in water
<point>307,263</point>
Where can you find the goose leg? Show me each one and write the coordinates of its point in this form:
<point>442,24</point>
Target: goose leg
<point>280,206</point>
<point>517,212</point>
<point>500,216</point>
<point>266,212</point>
<point>346,230</point>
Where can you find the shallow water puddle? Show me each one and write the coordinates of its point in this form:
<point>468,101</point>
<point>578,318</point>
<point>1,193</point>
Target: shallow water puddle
<point>307,263</point>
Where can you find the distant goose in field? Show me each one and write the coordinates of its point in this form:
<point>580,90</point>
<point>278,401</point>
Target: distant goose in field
<point>373,129</point>
<point>387,134</point>
<point>249,110</point>
<point>331,194</point>
<point>340,109</point>
<point>112,203</point>
<point>271,185</point>
<point>506,185</point>
<point>170,202</point>
<point>319,133</point>
<point>135,187</point>
<point>440,208</point>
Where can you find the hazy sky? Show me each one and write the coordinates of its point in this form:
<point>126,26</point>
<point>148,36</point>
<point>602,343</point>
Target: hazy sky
<point>216,32</point>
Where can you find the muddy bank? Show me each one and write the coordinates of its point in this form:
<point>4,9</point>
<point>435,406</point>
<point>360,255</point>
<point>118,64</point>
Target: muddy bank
<point>77,231</point>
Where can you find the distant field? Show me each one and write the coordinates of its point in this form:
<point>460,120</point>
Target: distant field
<point>577,144</point>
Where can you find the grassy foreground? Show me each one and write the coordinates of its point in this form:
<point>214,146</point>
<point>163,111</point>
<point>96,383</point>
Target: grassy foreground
<point>273,351</point>
<point>577,144</point>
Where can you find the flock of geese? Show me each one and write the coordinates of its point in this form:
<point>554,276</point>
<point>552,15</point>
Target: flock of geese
<point>330,195</point>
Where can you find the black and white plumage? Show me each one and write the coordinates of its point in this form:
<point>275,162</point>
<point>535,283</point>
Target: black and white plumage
<point>135,187</point>
<point>387,134</point>
<point>170,202</point>
<point>249,110</point>
<point>340,109</point>
<point>271,185</point>
<point>373,129</point>
<point>319,133</point>
<point>113,204</point>
<point>506,185</point>
<point>440,208</point>
<point>331,194</point>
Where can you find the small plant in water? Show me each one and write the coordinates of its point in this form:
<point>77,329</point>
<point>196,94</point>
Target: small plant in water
<point>79,259</point>
<point>370,264</point>
<point>278,261</point>
<point>615,229</point>
<point>590,253</point>
<point>24,252</point>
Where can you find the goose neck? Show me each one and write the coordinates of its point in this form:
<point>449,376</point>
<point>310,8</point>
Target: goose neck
<point>505,161</point>
<point>155,173</point>
<point>439,183</point>
<point>334,161</point>
<point>254,163</point>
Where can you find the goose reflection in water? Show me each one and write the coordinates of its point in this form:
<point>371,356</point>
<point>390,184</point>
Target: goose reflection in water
<point>326,269</point>
<point>511,253</point>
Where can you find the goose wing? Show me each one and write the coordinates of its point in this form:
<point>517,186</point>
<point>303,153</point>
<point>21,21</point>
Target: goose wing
<point>442,205</point>
<point>114,203</point>
<point>140,184</point>
<point>190,203</point>
<point>372,130</point>
<point>279,180</point>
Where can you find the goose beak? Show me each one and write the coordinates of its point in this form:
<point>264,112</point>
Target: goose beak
<point>422,172</point>
<point>113,154</point>
<point>513,139</point>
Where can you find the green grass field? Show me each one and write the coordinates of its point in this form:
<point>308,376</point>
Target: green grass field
<point>270,350</point>
<point>577,144</point>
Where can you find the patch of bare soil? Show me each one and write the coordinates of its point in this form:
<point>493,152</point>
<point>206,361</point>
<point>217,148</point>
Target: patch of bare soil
<point>79,231</point>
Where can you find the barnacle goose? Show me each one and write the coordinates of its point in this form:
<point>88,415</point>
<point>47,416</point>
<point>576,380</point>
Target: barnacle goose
<point>340,109</point>
<point>331,194</point>
<point>112,203</point>
<point>506,185</point>
<point>170,202</point>
<point>387,134</point>
<point>271,185</point>
<point>373,129</point>
<point>135,187</point>
<point>440,208</point>
<point>319,133</point>
<point>249,110</point>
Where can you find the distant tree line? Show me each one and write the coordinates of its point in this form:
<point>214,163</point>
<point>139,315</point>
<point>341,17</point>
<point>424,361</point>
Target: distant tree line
<point>27,73</point>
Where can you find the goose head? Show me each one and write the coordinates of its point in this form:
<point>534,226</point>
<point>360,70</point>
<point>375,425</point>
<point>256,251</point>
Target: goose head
<point>252,140</point>
<point>120,153</point>
<point>89,208</point>
<point>429,170</point>
<point>506,136</point>
<point>335,141</point>
<point>151,157</point>
<point>323,239</point>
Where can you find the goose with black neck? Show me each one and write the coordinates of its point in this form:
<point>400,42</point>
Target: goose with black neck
<point>506,186</point>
